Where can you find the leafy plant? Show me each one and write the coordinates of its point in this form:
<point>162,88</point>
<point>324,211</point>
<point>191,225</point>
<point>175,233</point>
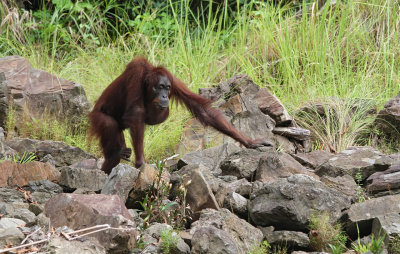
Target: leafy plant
<point>26,157</point>
<point>375,245</point>
<point>264,248</point>
<point>324,235</point>
<point>169,241</point>
<point>158,208</point>
<point>360,191</point>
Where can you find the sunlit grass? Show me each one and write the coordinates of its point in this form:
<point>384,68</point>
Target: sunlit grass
<point>348,51</point>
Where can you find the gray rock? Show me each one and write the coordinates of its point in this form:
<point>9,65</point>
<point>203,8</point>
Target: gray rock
<point>10,235</point>
<point>237,204</point>
<point>39,94</point>
<point>11,222</point>
<point>389,227</point>
<point>25,215</point>
<point>362,214</point>
<point>276,165</point>
<point>62,154</point>
<point>79,178</point>
<point>242,164</point>
<point>8,208</point>
<point>354,160</point>
<point>243,234</point>
<point>312,159</point>
<point>60,245</point>
<point>211,240</point>
<point>121,181</point>
<point>289,239</point>
<point>288,203</point>
<point>42,197</point>
<point>45,186</point>
<point>388,120</point>
<point>42,221</point>
<point>345,184</point>
<point>386,181</point>
<point>210,158</point>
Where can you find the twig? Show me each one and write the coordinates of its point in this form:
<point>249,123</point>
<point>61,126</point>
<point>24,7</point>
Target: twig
<point>23,246</point>
<point>31,234</point>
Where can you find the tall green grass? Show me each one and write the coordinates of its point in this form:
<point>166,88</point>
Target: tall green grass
<point>348,50</point>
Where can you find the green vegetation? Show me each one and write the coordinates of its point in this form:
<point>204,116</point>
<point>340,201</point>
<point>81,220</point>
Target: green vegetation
<point>375,245</point>
<point>347,50</point>
<point>324,235</point>
<point>156,209</point>
<point>169,241</point>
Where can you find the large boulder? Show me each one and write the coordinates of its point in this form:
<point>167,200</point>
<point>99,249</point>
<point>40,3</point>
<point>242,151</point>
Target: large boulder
<point>388,119</point>
<point>361,215</point>
<point>223,232</point>
<point>36,94</point>
<point>385,182</point>
<point>120,181</point>
<point>363,160</point>
<point>287,203</point>
<point>211,157</point>
<point>61,153</point>
<point>79,211</point>
<point>248,109</point>
<point>15,174</point>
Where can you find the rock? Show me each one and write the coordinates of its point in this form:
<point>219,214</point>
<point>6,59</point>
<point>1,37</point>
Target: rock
<point>225,189</point>
<point>362,214</point>
<point>39,94</point>
<point>11,195</point>
<point>240,232</point>
<point>386,181</point>
<point>95,209</point>
<point>80,178</point>
<point>211,240</point>
<point>36,208</point>
<point>210,158</point>
<point>25,215</point>
<point>199,194</point>
<point>240,110</point>
<point>288,203</point>
<point>62,154</point>
<point>9,208</point>
<point>276,165</point>
<point>16,174</point>
<point>120,181</point>
<point>10,235</point>
<point>297,133</point>
<point>153,234</point>
<point>354,160</point>
<point>11,223</point>
<point>45,186</point>
<point>345,184</point>
<point>388,119</point>
<point>43,222</point>
<point>247,118</point>
<point>288,239</point>
<point>148,176</point>
<point>389,227</point>
<point>312,159</point>
<point>272,106</point>
<point>243,163</point>
<point>237,204</point>
<point>60,245</point>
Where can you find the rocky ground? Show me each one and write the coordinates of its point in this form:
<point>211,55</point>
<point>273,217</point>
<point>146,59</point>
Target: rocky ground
<point>223,198</point>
